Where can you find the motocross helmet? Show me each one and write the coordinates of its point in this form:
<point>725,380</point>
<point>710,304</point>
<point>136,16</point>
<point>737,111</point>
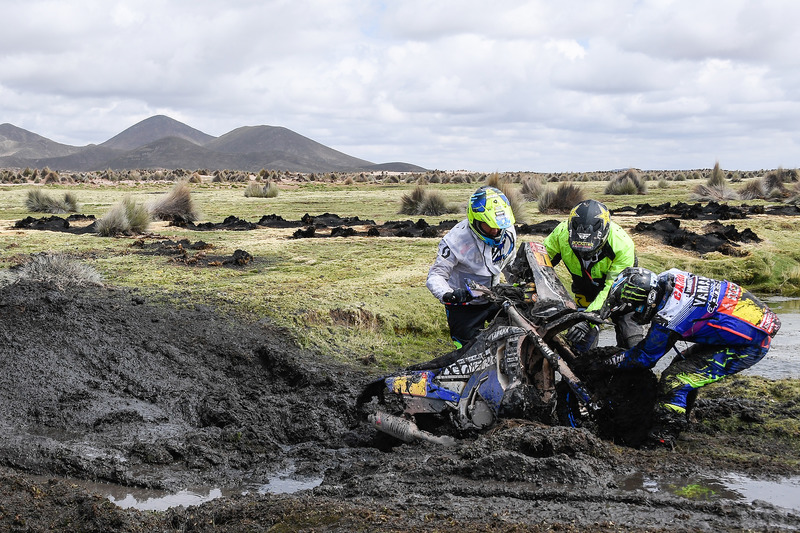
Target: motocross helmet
<point>589,226</point>
<point>489,206</point>
<point>636,289</point>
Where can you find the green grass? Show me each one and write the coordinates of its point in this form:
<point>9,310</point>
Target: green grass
<point>357,299</point>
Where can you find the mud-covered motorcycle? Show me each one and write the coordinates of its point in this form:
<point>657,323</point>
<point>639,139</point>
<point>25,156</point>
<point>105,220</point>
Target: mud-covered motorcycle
<point>520,367</point>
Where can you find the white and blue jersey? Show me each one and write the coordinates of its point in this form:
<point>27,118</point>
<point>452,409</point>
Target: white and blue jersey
<point>704,311</point>
<point>464,257</point>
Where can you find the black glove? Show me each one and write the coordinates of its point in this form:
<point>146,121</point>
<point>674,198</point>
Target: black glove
<point>458,296</point>
<point>577,333</point>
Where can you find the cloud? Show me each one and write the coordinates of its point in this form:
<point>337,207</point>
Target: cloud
<point>532,85</point>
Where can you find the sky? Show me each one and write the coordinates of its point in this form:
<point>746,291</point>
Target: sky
<point>539,85</point>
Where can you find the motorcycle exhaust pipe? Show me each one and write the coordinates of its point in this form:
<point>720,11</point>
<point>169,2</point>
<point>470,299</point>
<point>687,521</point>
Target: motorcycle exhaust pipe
<point>406,430</point>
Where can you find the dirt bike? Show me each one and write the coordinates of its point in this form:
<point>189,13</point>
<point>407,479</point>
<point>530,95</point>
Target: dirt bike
<point>520,367</point>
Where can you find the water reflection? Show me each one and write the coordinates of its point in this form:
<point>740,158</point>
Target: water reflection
<point>783,493</point>
<point>284,482</point>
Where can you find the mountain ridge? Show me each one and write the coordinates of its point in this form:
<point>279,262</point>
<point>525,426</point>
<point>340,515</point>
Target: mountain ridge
<point>162,142</point>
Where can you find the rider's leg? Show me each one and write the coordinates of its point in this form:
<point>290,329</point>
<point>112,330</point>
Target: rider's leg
<point>466,321</point>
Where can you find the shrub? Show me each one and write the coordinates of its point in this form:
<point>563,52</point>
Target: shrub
<point>39,201</point>
<point>127,217</point>
<point>175,205</point>
<point>566,196</point>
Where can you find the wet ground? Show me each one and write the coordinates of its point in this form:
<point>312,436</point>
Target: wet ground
<point>105,386</point>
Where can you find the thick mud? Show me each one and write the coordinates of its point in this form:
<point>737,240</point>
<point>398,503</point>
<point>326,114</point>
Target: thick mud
<point>103,384</point>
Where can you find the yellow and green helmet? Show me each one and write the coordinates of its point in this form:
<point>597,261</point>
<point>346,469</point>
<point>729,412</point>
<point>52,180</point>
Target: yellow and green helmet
<point>490,206</point>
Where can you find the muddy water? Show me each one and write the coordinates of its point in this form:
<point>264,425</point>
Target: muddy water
<point>783,359</point>
<point>783,493</point>
<point>158,500</point>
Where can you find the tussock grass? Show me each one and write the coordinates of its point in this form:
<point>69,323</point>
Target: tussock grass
<point>532,188</point>
<point>422,201</point>
<point>562,199</point>
<point>39,201</point>
<point>716,188</point>
<point>55,269</point>
<point>127,217</point>
<point>629,182</point>
<point>752,190</point>
<point>175,205</point>
<point>257,190</point>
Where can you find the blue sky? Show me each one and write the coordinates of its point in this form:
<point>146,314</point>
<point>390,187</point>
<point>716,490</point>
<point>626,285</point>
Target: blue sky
<point>448,84</point>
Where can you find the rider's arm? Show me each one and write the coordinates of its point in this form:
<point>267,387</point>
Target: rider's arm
<point>553,243</point>
<point>441,270</point>
<point>646,354</point>
<point>624,257</point>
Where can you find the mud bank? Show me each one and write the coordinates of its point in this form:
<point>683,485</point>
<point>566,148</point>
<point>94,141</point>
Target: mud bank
<point>98,383</point>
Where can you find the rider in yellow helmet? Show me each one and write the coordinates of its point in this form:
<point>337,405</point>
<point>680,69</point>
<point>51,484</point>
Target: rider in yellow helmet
<point>476,249</point>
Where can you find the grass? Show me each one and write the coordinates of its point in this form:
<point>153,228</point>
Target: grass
<point>356,299</point>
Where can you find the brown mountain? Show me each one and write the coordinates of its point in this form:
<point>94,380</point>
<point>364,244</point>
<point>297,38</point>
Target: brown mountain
<point>162,142</point>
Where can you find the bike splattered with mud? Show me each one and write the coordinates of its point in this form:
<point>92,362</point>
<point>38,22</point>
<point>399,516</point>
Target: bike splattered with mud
<point>520,367</point>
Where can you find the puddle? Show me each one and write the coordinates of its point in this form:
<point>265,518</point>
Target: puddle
<point>734,487</point>
<point>284,482</point>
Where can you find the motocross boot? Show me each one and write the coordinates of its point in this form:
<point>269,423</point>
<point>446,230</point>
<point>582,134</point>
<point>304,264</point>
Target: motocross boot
<point>668,422</point>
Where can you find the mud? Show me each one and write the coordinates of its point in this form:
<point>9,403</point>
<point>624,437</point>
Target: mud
<point>716,237</point>
<point>708,211</point>
<point>104,384</point>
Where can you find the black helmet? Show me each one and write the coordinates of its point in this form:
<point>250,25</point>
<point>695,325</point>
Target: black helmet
<point>636,289</point>
<point>589,225</point>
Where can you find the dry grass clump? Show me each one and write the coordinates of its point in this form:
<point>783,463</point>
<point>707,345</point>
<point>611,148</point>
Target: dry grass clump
<point>175,205</point>
<point>562,199</point>
<point>629,182</point>
<point>39,201</point>
<point>532,188</point>
<point>715,189</point>
<point>752,190</point>
<point>421,201</point>
<point>125,218</point>
<point>57,270</point>
<point>256,190</point>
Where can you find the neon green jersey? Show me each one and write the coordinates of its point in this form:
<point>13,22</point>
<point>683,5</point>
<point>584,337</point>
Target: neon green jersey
<point>591,288</point>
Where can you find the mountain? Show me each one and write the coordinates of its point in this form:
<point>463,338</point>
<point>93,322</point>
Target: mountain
<point>24,144</point>
<point>153,129</point>
<point>162,142</point>
<point>267,145</point>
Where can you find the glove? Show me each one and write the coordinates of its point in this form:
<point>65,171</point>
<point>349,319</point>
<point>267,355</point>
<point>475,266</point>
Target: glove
<point>458,296</point>
<point>577,333</point>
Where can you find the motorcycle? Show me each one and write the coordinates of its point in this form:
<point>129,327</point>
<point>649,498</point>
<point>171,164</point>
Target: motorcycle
<point>520,367</point>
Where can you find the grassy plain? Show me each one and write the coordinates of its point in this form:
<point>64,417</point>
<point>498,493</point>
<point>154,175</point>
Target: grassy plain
<point>357,299</point>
